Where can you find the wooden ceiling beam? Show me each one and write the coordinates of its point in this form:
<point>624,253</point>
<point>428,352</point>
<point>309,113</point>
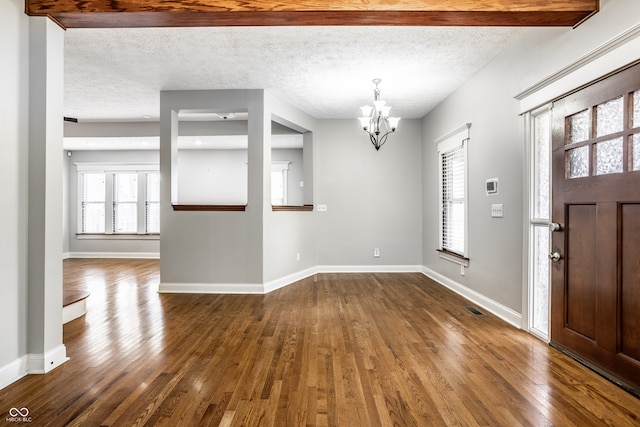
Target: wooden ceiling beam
<point>198,13</point>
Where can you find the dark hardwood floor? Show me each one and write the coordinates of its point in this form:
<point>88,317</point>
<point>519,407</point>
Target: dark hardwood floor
<point>331,350</point>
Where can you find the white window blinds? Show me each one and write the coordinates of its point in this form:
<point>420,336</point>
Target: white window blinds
<point>452,154</point>
<point>92,202</point>
<point>125,201</point>
<point>453,200</point>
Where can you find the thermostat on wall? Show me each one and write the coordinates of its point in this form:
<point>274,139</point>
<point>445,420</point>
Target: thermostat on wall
<point>492,186</point>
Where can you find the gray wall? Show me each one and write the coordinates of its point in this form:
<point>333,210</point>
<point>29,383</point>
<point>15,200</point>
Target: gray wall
<point>287,234</point>
<point>14,113</point>
<point>373,197</point>
<point>212,247</point>
<point>233,248</point>
<point>497,148</point>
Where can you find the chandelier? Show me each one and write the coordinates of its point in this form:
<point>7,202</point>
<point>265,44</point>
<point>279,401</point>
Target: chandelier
<point>376,121</point>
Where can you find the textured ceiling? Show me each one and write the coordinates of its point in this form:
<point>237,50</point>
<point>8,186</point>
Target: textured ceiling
<point>117,74</point>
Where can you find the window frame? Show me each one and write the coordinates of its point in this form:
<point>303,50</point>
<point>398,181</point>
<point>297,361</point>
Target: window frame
<point>457,139</point>
<point>144,216</point>
<point>110,170</point>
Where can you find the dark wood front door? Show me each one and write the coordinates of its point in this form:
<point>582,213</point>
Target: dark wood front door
<point>595,313</point>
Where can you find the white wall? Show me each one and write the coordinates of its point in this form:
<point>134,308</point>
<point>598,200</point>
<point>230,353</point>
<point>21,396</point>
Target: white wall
<point>497,148</point>
<point>14,122</point>
<point>295,175</point>
<point>212,177</point>
<point>219,177</point>
<point>31,172</point>
<point>45,241</point>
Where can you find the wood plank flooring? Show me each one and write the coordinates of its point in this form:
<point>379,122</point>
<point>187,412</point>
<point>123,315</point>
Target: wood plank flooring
<point>75,285</point>
<point>331,350</point>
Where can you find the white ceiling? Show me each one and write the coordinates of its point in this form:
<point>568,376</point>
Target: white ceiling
<point>117,74</point>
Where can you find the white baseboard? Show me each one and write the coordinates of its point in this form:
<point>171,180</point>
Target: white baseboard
<point>73,311</point>
<point>289,279</point>
<point>115,255</point>
<point>272,285</point>
<point>13,371</point>
<point>43,363</point>
<point>505,313</point>
<point>369,269</point>
<point>211,288</point>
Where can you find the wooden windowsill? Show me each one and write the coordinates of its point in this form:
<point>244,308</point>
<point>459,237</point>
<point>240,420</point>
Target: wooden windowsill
<point>453,257</point>
<point>117,236</point>
<point>213,208</point>
<point>289,208</point>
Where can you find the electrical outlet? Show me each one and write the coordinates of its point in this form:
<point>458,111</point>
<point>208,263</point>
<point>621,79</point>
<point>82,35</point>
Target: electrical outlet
<point>321,208</point>
<point>376,252</point>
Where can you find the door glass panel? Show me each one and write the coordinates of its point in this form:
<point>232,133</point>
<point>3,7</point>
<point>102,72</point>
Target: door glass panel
<point>610,117</point>
<point>609,156</point>
<point>541,190</point>
<point>578,126</point>
<point>540,294</point>
<point>539,265</point>
<point>578,162</point>
<point>636,108</point>
<point>636,152</point>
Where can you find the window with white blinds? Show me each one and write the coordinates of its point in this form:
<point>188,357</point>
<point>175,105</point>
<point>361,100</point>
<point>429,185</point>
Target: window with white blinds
<point>452,154</point>
<point>453,200</point>
<point>114,200</point>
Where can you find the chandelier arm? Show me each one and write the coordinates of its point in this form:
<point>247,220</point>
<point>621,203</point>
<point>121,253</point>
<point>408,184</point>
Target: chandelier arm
<point>374,141</point>
<point>383,140</point>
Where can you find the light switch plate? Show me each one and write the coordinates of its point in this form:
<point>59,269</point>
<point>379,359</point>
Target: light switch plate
<point>321,208</point>
<point>497,210</point>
